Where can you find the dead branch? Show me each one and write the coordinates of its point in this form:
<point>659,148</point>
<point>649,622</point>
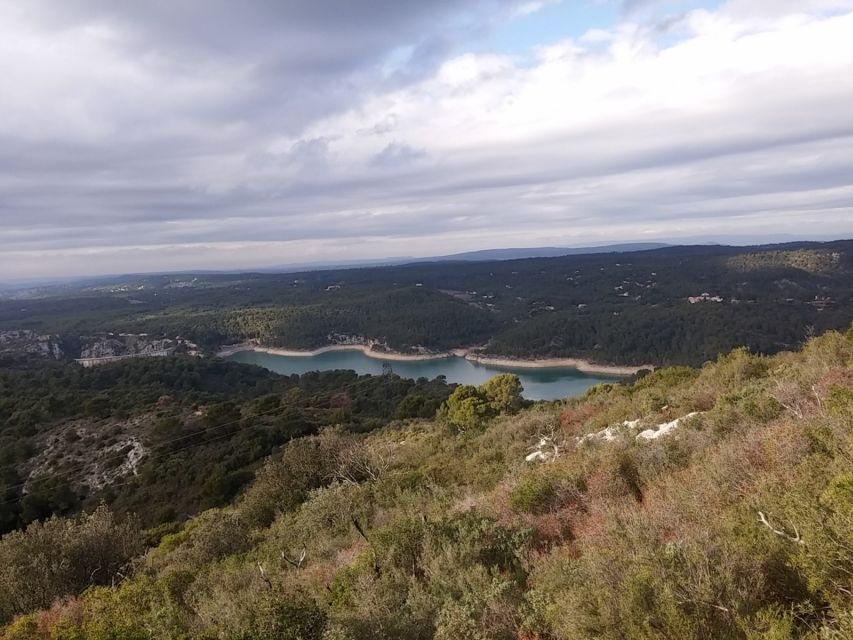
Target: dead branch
<point>357,463</point>
<point>359,529</point>
<point>297,564</point>
<point>264,575</point>
<point>817,397</point>
<point>792,538</point>
<point>791,396</point>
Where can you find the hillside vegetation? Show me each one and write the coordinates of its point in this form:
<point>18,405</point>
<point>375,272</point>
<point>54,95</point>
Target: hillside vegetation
<point>167,437</point>
<point>710,503</point>
<point>622,308</point>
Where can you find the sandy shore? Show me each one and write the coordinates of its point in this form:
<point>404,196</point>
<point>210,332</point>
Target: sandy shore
<point>367,350</point>
<point>584,366</point>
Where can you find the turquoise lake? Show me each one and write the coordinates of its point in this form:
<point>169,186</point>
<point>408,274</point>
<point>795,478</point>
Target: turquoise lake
<point>539,384</point>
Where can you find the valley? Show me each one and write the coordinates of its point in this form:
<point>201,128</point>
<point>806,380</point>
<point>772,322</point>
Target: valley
<point>421,436</point>
<point>628,309</point>
<point>469,320</point>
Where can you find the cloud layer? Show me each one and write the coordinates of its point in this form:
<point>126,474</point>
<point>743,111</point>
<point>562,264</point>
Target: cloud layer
<point>152,136</point>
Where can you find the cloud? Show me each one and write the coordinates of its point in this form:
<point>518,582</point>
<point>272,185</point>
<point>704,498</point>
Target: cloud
<point>630,7</point>
<point>533,6</point>
<point>396,154</point>
<point>160,135</point>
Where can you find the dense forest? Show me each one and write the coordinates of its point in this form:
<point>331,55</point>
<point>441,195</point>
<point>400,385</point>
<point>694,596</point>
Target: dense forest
<point>622,308</point>
<point>712,503</point>
<point>167,437</point>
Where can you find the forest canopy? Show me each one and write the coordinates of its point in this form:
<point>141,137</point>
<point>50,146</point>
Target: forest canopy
<point>677,305</point>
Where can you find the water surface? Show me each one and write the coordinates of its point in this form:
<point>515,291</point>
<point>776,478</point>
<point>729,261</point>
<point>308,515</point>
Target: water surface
<point>545,383</point>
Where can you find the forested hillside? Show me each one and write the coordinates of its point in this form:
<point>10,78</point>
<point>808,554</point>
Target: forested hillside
<point>712,503</point>
<point>622,308</point>
<point>168,437</point>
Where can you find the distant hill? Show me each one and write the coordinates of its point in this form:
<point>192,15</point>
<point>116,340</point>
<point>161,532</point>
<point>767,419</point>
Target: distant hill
<point>485,255</point>
<point>626,308</point>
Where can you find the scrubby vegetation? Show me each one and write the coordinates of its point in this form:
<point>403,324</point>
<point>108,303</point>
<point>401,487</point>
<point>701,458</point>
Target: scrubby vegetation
<point>197,428</point>
<point>735,523</point>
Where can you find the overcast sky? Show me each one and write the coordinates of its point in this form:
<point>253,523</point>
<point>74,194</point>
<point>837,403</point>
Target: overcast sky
<point>180,134</point>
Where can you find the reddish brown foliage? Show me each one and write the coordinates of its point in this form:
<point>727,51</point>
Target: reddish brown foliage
<point>572,419</point>
<point>68,612</point>
<point>835,377</point>
<point>704,401</point>
<point>340,401</point>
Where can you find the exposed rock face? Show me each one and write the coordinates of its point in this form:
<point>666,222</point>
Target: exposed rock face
<point>616,431</point>
<point>111,347</point>
<point>125,344</point>
<point>30,342</point>
<point>77,450</point>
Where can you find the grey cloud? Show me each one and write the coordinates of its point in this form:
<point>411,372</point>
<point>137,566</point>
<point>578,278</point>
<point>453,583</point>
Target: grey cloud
<point>291,63</point>
<point>385,126</point>
<point>630,7</point>
<point>187,173</point>
<point>302,37</point>
<point>397,154</point>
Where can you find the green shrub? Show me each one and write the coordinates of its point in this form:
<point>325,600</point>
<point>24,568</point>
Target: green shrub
<point>62,557</point>
<point>534,493</point>
<point>839,400</point>
<point>284,616</point>
<point>467,407</point>
<point>23,628</point>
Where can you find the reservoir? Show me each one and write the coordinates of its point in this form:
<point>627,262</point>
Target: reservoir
<point>539,384</point>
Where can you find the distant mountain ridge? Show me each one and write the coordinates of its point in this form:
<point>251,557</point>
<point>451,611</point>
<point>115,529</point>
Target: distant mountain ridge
<point>485,255</point>
<point>14,288</point>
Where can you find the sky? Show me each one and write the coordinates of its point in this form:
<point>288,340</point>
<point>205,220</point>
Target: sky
<point>211,134</point>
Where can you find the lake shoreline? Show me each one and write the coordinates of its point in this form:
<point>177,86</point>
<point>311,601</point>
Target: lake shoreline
<point>584,366</point>
<point>367,350</point>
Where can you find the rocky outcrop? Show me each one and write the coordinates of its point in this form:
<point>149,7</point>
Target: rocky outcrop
<point>32,343</point>
<point>125,344</point>
<point>121,346</point>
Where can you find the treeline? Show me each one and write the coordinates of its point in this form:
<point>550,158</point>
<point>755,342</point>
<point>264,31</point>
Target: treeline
<point>403,318</point>
<point>623,308</point>
<point>203,425</point>
<point>666,335</point>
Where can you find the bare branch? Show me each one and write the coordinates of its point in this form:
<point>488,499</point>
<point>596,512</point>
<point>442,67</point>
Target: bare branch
<point>817,397</point>
<point>264,575</point>
<point>357,463</point>
<point>792,538</point>
<point>297,564</point>
<point>359,529</point>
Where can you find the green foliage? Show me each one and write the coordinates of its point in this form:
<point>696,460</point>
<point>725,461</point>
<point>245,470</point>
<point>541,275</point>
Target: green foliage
<point>283,483</point>
<point>838,496</point>
<point>503,393</point>
<point>144,609</point>
<point>630,308</point>
<point>809,260</point>
<point>737,524</point>
<point>293,616</point>
<point>534,493</point>
<point>839,400</point>
<point>23,628</point>
<point>469,407</point>
<point>61,557</point>
<point>204,424</point>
